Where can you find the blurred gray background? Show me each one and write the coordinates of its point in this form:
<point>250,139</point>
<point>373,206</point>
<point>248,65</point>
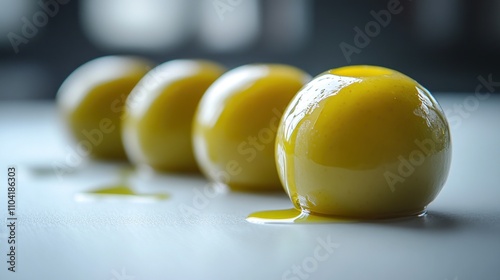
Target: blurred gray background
<point>443,44</point>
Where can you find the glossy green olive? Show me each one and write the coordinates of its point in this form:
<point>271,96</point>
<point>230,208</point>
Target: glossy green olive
<point>159,114</point>
<point>364,142</point>
<point>92,98</point>
<point>235,125</point>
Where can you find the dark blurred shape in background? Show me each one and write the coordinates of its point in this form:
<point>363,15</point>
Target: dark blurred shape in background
<point>444,44</point>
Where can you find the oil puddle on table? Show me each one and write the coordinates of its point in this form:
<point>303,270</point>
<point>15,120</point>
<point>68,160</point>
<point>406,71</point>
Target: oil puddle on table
<point>120,191</point>
<point>292,216</point>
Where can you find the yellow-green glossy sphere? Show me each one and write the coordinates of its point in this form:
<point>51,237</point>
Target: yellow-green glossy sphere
<point>364,142</point>
<point>235,125</point>
<point>91,100</point>
<point>159,114</point>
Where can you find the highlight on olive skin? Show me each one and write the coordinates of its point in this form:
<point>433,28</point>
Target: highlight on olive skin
<point>363,142</point>
<point>235,125</point>
<point>91,101</point>
<point>159,114</point>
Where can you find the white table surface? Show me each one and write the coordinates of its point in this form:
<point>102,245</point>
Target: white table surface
<point>61,237</point>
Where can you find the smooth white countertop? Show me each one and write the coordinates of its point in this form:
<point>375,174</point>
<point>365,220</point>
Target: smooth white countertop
<point>59,236</point>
